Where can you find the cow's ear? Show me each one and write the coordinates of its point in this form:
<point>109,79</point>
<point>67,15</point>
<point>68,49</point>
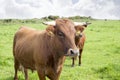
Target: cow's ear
<point>85,25</point>
<point>50,29</point>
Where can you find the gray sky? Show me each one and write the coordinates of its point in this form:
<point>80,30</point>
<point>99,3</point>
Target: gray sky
<point>22,9</point>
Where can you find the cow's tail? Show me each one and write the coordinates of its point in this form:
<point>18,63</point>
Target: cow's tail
<point>14,43</point>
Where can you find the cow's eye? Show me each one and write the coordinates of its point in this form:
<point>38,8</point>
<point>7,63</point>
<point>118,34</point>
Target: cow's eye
<point>61,34</point>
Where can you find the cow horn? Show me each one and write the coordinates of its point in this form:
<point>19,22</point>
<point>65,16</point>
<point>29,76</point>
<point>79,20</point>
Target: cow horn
<point>81,23</point>
<point>87,23</point>
<point>49,23</point>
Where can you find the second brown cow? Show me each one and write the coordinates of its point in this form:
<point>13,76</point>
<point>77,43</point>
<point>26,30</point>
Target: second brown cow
<point>80,40</point>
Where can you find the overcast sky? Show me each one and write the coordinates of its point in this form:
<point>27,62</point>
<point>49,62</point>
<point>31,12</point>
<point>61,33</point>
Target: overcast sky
<point>22,9</point>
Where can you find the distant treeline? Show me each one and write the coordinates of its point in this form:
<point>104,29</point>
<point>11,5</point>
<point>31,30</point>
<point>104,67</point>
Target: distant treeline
<point>51,17</point>
<point>48,18</point>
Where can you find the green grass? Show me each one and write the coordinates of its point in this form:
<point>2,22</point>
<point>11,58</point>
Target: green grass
<point>100,59</point>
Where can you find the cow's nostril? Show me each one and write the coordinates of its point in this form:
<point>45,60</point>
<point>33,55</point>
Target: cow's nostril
<point>80,35</point>
<point>71,52</point>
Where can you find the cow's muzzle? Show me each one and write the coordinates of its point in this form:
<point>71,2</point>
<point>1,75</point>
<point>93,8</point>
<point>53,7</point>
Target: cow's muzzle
<point>78,34</point>
<point>73,52</point>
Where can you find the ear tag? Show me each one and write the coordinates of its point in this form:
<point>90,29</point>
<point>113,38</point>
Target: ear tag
<point>50,32</point>
<point>78,32</point>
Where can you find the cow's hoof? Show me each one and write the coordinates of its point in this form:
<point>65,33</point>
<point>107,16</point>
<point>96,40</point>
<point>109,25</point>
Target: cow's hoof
<point>79,64</point>
<point>15,78</point>
<point>72,66</point>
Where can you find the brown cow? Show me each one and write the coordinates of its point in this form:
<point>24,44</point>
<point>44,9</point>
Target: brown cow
<point>44,51</point>
<point>79,41</point>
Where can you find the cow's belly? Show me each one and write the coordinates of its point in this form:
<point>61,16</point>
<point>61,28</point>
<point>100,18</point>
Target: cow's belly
<point>25,56</point>
<point>27,62</point>
<point>28,65</point>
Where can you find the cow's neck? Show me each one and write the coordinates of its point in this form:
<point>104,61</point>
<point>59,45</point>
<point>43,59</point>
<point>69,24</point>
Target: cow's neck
<point>55,52</point>
<point>77,40</point>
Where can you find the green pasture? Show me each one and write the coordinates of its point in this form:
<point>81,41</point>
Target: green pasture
<point>100,59</point>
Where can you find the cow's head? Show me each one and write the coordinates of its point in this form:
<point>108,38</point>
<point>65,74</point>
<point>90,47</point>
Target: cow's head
<point>64,31</point>
<point>80,26</point>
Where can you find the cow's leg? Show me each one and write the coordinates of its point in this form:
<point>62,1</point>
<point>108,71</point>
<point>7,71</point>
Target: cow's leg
<point>55,75</point>
<point>51,76</point>
<point>16,67</point>
<point>41,73</point>
<point>58,74</point>
<point>26,73</point>
<point>73,62</point>
<point>80,57</point>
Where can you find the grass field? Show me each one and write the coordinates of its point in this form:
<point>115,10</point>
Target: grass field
<point>100,59</point>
